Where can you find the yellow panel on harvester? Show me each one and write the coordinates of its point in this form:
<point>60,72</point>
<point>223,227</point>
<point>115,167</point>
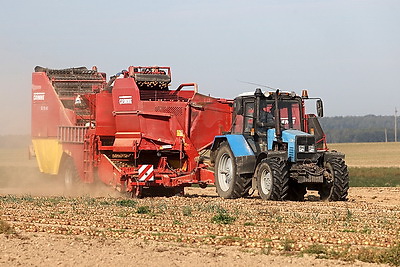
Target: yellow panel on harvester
<point>48,154</point>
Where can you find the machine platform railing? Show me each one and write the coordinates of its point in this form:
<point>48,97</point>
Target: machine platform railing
<point>72,134</point>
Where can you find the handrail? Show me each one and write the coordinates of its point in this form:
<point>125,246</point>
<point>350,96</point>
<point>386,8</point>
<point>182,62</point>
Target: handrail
<point>72,134</point>
<point>196,87</point>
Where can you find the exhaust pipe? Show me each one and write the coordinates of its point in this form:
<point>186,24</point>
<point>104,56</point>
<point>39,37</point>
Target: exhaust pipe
<point>278,130</point>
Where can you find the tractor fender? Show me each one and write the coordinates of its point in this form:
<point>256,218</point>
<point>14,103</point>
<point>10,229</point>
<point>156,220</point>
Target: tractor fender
<point>244,155</point>
<point>332,154</point>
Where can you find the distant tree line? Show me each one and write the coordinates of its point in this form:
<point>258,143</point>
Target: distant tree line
<point>348,129</point>
<point>354,129</point>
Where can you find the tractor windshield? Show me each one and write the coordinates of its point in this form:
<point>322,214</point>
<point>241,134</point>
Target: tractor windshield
<point>289,112</point>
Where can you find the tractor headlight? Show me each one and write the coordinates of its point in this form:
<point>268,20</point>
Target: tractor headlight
<point>311,149</point>
<point>302,148</point>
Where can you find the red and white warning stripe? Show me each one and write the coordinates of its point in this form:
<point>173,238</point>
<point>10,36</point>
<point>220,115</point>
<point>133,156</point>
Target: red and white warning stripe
<point>146,173</point>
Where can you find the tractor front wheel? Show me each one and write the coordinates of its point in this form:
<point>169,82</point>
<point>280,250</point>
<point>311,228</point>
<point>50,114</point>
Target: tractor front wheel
<point>336,182</point>
<point>228,183</point>
<point>272,179</point>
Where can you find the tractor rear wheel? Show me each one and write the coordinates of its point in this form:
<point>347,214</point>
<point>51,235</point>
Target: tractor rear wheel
<point>228,183</point>
<point>247,186</point>
<point>336,186</point>
<point>272,179</point>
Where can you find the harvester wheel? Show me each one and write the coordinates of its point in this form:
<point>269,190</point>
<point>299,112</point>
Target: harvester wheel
<point>228,183</point>
<point>70,175</point>
<point>272,179</point>
<point>336,185</point>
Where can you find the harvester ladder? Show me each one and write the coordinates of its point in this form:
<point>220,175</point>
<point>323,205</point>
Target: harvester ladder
<point>88,160</point>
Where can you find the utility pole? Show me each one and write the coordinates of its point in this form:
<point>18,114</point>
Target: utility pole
<point>385,135</point>
<point>395,124</point>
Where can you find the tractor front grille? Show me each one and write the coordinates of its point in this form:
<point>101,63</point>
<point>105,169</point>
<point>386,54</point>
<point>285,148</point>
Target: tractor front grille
<point>308,141</point>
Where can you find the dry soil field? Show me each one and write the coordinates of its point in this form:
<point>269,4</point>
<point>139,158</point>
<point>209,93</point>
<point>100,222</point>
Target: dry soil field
<point>370,154</point>
<point>39,226</point>
<point>199,229</point>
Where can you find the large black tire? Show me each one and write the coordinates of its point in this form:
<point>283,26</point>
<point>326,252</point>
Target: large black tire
<point>228,183</point>
<point>272,179</point>
<point>70,177</point>
<point>296,191</point>
<point>336,187</point>
<point>247,187</point>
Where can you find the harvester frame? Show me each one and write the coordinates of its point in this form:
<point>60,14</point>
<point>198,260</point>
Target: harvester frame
<point>132,132</point>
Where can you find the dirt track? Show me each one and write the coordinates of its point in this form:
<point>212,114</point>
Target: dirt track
<point>190,230</point>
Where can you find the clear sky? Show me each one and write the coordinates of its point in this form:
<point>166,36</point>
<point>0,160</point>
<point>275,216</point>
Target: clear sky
<point>344,51</point>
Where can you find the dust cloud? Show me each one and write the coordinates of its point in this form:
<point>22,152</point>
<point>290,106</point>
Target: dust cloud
<point>20,175</point>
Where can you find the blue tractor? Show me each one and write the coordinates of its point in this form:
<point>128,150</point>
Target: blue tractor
<point>276,148</point>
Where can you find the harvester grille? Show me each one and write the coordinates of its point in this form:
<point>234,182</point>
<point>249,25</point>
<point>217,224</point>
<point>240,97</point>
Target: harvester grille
<point>177,111</point>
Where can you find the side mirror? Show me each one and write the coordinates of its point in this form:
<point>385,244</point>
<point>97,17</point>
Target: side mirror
<point>320,108</point>
<point>237,106</point>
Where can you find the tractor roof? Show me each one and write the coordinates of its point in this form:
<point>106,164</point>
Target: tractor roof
<point>269,93</point>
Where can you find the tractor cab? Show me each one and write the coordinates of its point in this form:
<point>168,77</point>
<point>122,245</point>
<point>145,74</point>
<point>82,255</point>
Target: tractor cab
<point>256,114</point>
<point>256,111</point>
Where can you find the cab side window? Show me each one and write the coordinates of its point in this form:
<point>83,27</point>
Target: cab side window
<point>248,116</point>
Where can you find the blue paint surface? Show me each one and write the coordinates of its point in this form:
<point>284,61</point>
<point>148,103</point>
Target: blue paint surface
<point>289,137</point>
<point>238,144</point>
